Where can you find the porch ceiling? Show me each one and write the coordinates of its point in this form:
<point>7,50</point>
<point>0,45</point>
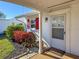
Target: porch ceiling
<point>43,5</point>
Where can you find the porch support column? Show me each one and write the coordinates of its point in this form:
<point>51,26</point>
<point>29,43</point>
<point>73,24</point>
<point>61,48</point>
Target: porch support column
<point>40,33</point>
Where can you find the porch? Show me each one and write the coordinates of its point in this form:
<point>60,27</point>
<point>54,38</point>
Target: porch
<point>52,53</point>
<point>47,9</point>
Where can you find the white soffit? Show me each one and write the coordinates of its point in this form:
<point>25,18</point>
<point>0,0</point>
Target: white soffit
<point>43,5</point>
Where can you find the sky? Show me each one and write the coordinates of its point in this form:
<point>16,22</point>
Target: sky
<point>11,10</point>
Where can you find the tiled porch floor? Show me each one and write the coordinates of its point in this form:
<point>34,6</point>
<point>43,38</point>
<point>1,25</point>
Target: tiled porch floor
<point>51,54</point>
<point>41,56</point>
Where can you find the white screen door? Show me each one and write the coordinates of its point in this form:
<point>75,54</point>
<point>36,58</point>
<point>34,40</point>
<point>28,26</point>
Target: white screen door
<point>58,32</point>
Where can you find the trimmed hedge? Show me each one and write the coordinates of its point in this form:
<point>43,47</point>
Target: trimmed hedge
<point>26,38</point>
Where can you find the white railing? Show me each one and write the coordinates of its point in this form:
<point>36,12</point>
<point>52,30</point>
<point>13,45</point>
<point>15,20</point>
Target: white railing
<point>45,44</point>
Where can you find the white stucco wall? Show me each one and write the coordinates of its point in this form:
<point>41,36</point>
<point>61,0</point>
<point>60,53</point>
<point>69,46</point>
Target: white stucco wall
<point>46,28</point>
<point>72,28</point>
<point>75,29</point>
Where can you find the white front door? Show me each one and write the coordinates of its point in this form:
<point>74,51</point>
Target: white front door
<point>58,32</point>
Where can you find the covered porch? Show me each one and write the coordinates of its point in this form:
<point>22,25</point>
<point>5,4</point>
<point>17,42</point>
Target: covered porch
<point>48,9</point>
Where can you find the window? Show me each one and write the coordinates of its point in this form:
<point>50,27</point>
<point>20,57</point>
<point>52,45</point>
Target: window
<point>58,27</point>
<point>32,23</point>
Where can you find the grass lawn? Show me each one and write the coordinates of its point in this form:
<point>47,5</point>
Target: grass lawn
<point>5,47</point>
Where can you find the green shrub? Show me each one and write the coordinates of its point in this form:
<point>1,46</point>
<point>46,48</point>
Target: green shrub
<point>20,27</point>
<point>11,28</point>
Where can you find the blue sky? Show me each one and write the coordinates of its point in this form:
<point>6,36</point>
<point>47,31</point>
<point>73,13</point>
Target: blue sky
<point>12,10</point>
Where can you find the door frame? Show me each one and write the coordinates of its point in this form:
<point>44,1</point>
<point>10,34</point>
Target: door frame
<point>64,40</point>
<point>67,37</point>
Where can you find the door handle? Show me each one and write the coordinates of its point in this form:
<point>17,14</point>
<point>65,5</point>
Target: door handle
<point>64,32</point>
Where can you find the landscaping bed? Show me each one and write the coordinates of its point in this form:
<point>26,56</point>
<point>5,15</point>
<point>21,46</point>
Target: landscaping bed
<point>9,50</point>
<point>18,51</point>
<point>17,42</point>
